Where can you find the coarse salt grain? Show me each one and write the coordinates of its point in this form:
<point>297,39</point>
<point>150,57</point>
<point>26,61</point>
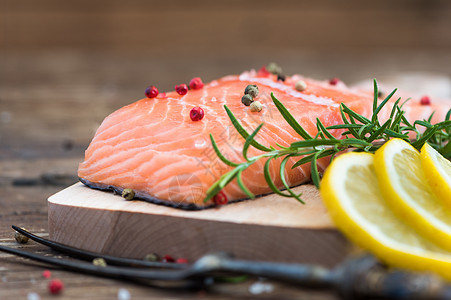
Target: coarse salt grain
<point>123,294</point>
<point>260,288</point>
<point>33,296</point>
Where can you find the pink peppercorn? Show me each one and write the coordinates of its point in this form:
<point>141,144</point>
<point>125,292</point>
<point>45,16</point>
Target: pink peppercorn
<point>334,81</point>
<point>196,83</point>
<point>263,72</point>
<point>55,286</point>
<point>46,274</point>
<point>425,100</point>
<point>151,92</point>
<point>168,259</point>
<point>181,261</point>
<point>220,198</point>
<point>181,89</point>
<point>196,114</point>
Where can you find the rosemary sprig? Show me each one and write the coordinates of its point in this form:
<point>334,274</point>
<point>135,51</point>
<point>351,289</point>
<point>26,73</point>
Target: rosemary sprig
<point>360,134</point>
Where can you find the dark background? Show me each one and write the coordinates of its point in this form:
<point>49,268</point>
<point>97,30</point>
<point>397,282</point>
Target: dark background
<point>65,65</point>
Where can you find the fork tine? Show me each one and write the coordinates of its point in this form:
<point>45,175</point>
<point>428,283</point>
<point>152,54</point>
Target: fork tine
<point>89,256</point>
<point>108,271</point>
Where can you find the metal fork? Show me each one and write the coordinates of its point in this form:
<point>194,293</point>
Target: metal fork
<point>358,278</point>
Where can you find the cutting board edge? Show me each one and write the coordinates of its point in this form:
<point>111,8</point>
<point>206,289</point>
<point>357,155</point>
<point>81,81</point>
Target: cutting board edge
<point>237,213</point>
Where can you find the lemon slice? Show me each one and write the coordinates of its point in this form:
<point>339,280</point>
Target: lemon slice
<point>437,170</point>
<point>406,189</point>
<point>351,193</point>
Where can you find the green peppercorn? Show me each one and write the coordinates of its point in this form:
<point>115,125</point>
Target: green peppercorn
<point>256,106</point>
<point>300,85</point>
<point>247,99</point>
<point>252,90</point>
<point>20,238</point>
<point>152,257</point>
<point>99,261</point>
<point>128,194</point>
<point>274,68</point>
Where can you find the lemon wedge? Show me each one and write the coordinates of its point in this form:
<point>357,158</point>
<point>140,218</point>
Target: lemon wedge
<point>406,189</point>
<point>351,193</point>
<point>437,170</point>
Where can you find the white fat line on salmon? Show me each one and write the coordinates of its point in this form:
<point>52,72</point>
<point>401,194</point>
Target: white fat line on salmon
<point>213,112</point>
<point>97,139</point>
<point>117,124</point>
<point>184,111</point>
<point>205,107</point>
<point>154,103</point>
<point>287,89</point>
<point>128,121</point>
<point>204,96</point>
<point>224,95</point>
<point>123,160</point>
<point>133,148</point>
<point>213,83</point>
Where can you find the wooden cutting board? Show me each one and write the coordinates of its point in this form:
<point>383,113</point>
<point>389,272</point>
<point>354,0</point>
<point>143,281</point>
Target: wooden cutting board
<point>267,228</point>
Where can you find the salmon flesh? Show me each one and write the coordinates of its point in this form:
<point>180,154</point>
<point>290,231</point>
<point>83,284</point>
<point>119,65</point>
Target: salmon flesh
<point>153,147</point>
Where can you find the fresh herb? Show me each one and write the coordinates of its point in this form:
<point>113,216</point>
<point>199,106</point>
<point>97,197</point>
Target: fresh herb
<point>360,134</point>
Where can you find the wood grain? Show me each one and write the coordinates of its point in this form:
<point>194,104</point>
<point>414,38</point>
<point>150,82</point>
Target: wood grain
<point>267,228</point>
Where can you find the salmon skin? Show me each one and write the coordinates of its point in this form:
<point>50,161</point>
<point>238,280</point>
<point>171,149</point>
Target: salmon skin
<point>153,147</point>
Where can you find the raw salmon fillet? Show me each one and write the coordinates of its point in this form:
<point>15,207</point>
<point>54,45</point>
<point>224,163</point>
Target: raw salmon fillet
<point>153,147</point>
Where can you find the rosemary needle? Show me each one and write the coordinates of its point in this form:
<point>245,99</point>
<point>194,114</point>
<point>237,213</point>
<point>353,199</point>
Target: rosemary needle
<point>360,134</point>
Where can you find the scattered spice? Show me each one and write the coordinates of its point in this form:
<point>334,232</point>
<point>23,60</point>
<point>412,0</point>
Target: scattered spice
<point>281,77</point>
<point>99,262</point>
<point>181,261</point>
<point>128,194</point>
<point>380,94</point>
<point>251,90</point>
<point>67,144</point>
<point>334,81</point>
<point>274,68</point>
<point>55,286</point>
<point>168,259</point>
<point>46,274</point>
<point>263,72</point>
<point>256,106</point>
<point>151,92</point>
<point>300,85</point>
<point>196,114</point>
<point>181,89</point>
<point>247,99</point>
<point>220,198</point>
<point>152,257</point>
<point>425,100</point>
<point>196,83</point>
<point>20,238</point>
